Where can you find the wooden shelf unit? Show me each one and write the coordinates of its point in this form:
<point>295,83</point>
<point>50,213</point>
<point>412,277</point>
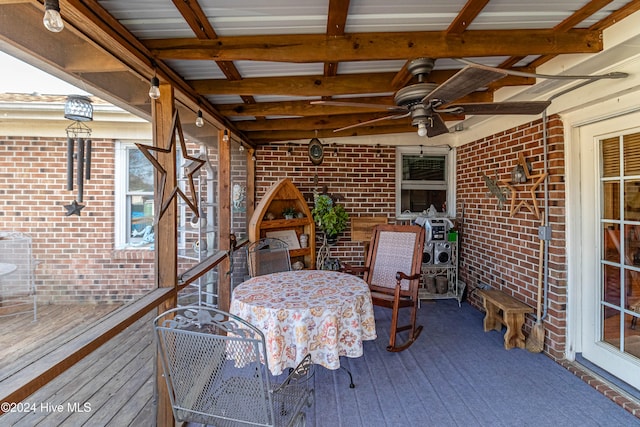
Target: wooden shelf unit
<point>281,195</point>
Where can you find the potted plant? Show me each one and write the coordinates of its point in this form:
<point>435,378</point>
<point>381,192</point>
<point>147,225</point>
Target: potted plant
<point>289,213</point>
<point>330,216</point>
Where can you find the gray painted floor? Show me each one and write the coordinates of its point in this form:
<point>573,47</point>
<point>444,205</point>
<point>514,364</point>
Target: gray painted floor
<point>456,375</point>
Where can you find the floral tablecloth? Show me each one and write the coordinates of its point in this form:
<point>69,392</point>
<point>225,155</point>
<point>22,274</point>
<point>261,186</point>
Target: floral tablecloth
<point>325,313</point>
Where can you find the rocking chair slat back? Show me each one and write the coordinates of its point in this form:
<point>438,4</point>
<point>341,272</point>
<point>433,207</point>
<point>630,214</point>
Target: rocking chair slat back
<point>393,272</point>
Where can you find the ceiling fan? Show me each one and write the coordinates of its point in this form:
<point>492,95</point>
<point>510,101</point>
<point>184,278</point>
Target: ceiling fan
<point>424,102</point>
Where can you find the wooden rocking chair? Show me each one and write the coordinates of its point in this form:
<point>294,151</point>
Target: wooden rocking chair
<point>393,271</point>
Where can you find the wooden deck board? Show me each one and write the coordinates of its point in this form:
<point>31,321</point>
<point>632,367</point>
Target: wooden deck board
<point>117,380</point>
<point>24,341</point>
<point>77,380</point>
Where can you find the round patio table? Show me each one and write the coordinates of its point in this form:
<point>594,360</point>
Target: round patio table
<point>325,313</point>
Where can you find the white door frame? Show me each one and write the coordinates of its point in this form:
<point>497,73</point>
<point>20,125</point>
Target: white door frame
<point>586,319</point>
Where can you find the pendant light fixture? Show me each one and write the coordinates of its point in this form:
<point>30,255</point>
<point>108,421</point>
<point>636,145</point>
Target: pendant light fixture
<point>52,19</point>
<point>154,90</point>
<point>199,119</point>
<point>225,136</point>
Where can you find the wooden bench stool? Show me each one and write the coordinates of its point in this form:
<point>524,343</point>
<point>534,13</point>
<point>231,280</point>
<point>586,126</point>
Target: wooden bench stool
<point>502,309</point>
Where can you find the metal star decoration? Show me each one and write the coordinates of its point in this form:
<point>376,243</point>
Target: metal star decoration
<point>73,209</point>
<point>195,165</point>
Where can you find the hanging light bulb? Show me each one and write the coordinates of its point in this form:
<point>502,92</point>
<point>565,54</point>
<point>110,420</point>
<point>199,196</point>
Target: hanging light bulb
<point>52,19</point>
<point>422,129</point>
<point>154,91</point>
<point>225,136</point>
<point>241,147</point>
<point>199,119</point>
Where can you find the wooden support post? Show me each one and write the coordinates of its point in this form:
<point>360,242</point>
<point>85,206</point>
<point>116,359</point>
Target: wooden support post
<point>166,233</point>
<point>224,220</point>
<point>251,183</point>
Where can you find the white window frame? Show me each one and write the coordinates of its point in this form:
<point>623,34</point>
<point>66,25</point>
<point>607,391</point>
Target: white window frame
<point>120,187</point>
<point>450,177</point>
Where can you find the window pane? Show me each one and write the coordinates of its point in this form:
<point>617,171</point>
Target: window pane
<point>139,199</point>
<point>425,168</point>
<point>632,154</point>
<point>611,239</point>
<point>632,200</point>
<point>611,200</point>
<point>140,220</point>
<point>610,157</point>
<point>140,172</point>
<point>611,285</point>
<point>632,245</point>
<point>420,200</point>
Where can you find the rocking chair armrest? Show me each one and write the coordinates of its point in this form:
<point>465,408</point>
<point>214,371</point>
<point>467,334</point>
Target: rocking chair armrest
<point>400,276</point>
<point>352,269</point>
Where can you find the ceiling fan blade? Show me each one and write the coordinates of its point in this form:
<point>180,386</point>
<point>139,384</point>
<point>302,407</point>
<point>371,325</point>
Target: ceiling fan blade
<point>465,81</point>
<point>530,107</point>
<point>368,122</point>
<point>437,126</point>
<point>360,105</point>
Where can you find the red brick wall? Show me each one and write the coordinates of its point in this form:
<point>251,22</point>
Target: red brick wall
<point>500,250</point>
<point>496,249</point>
<point>77,260</point>
<point>363,175</point>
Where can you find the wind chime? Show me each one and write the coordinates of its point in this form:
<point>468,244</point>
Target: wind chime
<point>79,109</point>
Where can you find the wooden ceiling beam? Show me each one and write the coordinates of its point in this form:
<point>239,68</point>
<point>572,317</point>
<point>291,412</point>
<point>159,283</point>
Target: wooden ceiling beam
<point>315,122</point>
<point>266,137</point>
<point>80,59</point>
<point>298,85</point>
<point>466,16</point>
<point>192,12</point>
<point>577,17</point>
<point>336,21</point>
<point>297,108</point>
<point>343,84</point>
<point>196,18</point>
<point>616,16</point>
<point>305,109</point>
<point>321,122</point>
<point>306,48</point>
<point>581,14</point>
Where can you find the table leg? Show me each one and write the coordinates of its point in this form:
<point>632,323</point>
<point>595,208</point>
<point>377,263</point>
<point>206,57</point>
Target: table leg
<point>351,384</point>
